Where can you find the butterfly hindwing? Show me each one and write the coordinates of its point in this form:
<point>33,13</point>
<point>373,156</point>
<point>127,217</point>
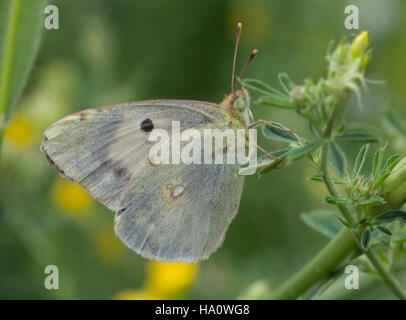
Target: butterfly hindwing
<point>180,213</point>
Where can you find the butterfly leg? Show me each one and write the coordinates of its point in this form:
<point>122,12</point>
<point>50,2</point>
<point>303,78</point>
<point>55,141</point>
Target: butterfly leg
<point>260,148</point>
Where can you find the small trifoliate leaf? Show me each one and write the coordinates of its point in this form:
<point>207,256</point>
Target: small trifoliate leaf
<point>385,230</point>
<point>338,200</point>
<point>359,136</point>
<point>261,87</point>
<point>299,152</point>
<point>318,178</point>
<point>276,101</point>
<point>285,82</point>
<point>322,221</point>
<point>391,215</point>
<point>359,161</point>
<point>392,161</point>
<point>372,202</point>
<point>377,162</point>
<point>380,180</point>
<point>264,162</point>
<point>278,132</point>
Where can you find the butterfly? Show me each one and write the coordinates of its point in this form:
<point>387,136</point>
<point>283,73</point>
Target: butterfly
<point>171,212</point>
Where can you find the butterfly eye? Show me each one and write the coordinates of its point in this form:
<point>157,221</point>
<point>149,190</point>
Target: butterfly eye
<point>239,104</point>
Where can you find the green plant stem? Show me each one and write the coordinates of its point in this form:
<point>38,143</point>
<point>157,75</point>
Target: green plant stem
<point>339,248</point>
<point>7,61</point>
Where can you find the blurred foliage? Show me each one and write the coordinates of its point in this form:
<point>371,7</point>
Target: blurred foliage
<point>109,52</point>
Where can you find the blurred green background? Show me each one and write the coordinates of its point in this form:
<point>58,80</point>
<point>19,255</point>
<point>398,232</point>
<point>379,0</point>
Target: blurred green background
<point>108,52</point>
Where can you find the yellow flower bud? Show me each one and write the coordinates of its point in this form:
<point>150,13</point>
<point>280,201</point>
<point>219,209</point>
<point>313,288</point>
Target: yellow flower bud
<point>359,45</point>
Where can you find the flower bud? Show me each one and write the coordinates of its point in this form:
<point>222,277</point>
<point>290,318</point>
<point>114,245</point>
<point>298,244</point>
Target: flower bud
<point>359,45</point>
<point>341,52</point>
<point>365,61</point>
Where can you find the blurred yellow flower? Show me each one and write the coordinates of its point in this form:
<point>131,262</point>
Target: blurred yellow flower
<point>141,294</point>
<point>70,196</point>
<point>170,279</point>
<point>108,246</point>
<point>20,132</point>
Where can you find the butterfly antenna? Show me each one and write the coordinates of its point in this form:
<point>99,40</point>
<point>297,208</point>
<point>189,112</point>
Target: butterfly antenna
<point>237,42</point>
<point>253,54</point>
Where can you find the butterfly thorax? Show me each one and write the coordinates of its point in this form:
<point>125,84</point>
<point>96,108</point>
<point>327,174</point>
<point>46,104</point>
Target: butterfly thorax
<point>238,105</point>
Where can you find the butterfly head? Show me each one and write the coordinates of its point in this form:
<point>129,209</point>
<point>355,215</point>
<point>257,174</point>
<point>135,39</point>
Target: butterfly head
<point>238,102</point>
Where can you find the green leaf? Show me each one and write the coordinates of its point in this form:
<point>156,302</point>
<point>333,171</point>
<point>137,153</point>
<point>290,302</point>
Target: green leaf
<point>372,202</point>
<point>359,161</point>
<point>322,221</point>
<point>264,162</point>
<point>338,200</point>
<point>261,87</point>
<point>281,154</point>
<point>318,178</point>
<point>365,238</point>
<point>279,132</point>
<point>283,102</point>
<point>337,159</point>
<point>250,168</point>
<point>385,230</point>
<point>21,23</point>
<point>390,216</point>
<point>392,162</point>
<point>299,152</point>
<point>380,180</point>
<point>285,82</point>
<point>359,136</point>
<point>377,163</point>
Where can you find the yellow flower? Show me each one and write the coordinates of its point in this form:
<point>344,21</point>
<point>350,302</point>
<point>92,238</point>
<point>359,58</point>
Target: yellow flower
<point>19,133</point>
<point>170,279</point>
<point>359,45</point>
<point>70,196</point>
<point>141,294</point>
<point>108,246</point>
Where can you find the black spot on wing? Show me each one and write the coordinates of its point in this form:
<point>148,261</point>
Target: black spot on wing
<point>147,125</point>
